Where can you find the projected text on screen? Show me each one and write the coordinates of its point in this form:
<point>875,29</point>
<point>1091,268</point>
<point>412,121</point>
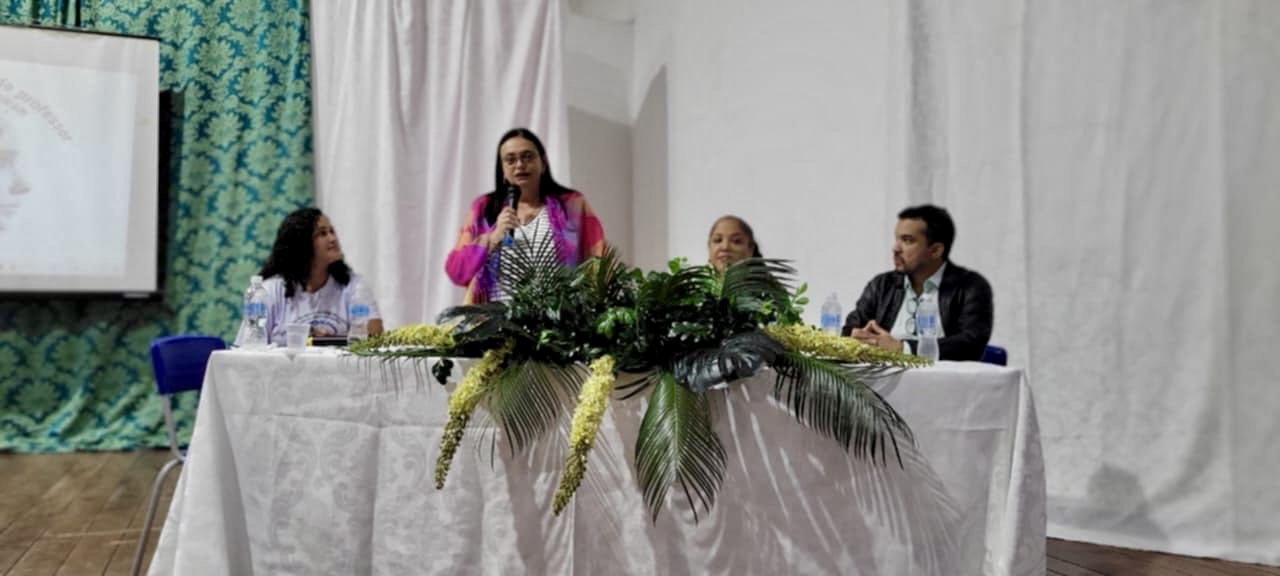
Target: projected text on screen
<point>79,121</point>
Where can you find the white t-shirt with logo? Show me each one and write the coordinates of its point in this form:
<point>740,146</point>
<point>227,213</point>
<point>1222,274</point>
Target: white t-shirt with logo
<point>325,309</point>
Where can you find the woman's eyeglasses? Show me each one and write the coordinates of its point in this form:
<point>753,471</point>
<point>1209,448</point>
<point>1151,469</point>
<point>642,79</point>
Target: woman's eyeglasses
<point>526,157</point>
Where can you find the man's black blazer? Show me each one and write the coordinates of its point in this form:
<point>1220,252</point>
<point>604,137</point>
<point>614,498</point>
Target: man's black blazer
<point>964,300</point>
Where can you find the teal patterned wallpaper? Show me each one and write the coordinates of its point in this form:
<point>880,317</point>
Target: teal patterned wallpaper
<point>76,375</point>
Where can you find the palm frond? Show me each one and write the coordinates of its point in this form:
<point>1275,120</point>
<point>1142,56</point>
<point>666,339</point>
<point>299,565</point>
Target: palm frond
<point>752,282</point>
<point>741,355</point>
<point>392,354</point>
<point>639,385</point>
<point>676,444</point>
<point>533,266</point>
<point>604,276</point>
<point>834,400</point>
<point>678,286</point>
<point>528,398</point>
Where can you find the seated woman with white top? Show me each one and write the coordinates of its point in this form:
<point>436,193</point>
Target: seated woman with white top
<point>307,282</point>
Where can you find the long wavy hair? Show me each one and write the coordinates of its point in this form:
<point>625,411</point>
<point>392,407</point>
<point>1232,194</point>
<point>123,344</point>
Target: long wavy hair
<point>294,248</point>
<point>547,186</point>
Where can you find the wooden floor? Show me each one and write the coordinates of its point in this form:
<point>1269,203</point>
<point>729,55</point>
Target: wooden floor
<point>81,514</point>
<point>76,514</point>
<point>1080,559</point>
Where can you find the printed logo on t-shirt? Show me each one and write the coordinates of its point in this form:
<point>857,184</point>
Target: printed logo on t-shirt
<point>324,323</point>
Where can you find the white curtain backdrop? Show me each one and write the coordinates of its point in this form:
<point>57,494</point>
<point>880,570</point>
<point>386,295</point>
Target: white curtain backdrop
<point>1111,164</point>
<point>1113,168</point>
<point>411,97</point>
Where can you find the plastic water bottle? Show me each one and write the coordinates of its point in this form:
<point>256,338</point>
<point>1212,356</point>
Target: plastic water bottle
<point>255,315</point>
<point>358,314</point>
<point>927,327</point>
<point>831,314</point>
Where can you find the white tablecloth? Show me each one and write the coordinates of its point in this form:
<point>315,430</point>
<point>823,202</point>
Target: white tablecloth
<point>319,464</point>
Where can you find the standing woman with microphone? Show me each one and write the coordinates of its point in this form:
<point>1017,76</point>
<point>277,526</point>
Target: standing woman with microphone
<point>525,207</point>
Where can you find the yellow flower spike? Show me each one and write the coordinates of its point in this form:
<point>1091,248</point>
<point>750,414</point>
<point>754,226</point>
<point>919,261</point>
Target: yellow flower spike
<point>418,336</point>
<point>592,402</point>
<point>817,343</point>
<point>423,335</point>
<point>475,385</point>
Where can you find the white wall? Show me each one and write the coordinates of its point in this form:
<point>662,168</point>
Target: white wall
<point>650,180</point>
<point>1106,164</point>
<point>598,62</point>
<point>597,71</point>
<point>777,116</point>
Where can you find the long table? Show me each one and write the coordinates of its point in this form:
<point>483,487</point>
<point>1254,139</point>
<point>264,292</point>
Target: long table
<point>318,463</point>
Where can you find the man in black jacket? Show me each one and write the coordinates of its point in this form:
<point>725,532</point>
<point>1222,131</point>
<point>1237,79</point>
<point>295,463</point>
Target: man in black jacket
<point>885,314</point>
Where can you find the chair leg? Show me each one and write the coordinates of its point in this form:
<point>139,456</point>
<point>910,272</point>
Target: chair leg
<point>166,402</point>
<point>151,515</point>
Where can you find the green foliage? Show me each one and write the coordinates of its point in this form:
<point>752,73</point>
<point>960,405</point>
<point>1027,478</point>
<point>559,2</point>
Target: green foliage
<point>555,315</point>
<point>686,329</point>
<point>676,445</point>
<point>529,398</point>
<point>694,309</point>
<point>832,399</point>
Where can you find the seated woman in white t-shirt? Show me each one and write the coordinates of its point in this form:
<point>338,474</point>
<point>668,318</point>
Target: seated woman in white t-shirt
<point>307,281</point>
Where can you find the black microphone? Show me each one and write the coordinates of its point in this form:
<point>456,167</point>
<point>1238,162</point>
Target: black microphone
<point>513,197</point>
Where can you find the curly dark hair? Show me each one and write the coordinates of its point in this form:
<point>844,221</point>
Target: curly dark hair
<point>547,186</point>
<point>291,255</point>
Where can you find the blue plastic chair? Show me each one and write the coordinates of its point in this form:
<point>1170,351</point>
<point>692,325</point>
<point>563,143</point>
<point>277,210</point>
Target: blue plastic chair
<point>179,363</point>
<point>995,355</point>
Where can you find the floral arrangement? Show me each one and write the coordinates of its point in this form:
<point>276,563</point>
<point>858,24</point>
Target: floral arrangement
<point>684,330</point>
